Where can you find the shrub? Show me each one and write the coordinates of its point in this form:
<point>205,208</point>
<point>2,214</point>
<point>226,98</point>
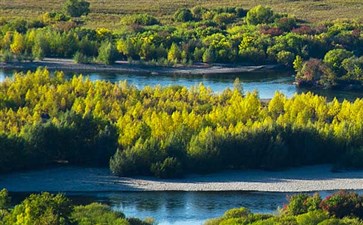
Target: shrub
<point>353,158</point>
<point>183,15</point>
<point>335,58</point>
<point>81,58</point>
<point>140,19</point>
<point>97,213</point>
<point>6,57</point>
<point>76,8</point>
<point>259,15</point>
<point>4,199</point>
<point>169,168</point>
<point>237,213</point>
<point>343,204</point>
<point>312,218</point>
<point>302,203</point>
<point>107,53</point>
<point>42,208</point>
<point>224,18</point>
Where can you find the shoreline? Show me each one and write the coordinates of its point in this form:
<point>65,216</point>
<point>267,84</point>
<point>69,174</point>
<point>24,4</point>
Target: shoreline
<point>123,66</point>
<point>78,179</point>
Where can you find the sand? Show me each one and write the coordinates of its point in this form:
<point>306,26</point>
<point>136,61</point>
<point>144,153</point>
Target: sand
<point>122,66</point>
<point>73,179</point>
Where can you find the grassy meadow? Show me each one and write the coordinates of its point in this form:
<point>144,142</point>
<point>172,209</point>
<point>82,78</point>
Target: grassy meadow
<point>107,13</point>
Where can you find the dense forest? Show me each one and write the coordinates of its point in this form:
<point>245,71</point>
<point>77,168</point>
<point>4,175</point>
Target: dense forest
<point>169,131</point>
<point>326,54</point>
<point>340,208</point>
<point>50,209</point>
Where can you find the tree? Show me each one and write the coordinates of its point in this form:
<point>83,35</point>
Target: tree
<point>107,53</point>
<point>260,14</point>
<point>183,15</point>
<point>18,44</point>
<point>174,54</point>
<point>42,209</point>
<point>97,213</point>
<point>209,56</point>
<point>4,199</point>
<point>76,8</point>
<point>335,58</point>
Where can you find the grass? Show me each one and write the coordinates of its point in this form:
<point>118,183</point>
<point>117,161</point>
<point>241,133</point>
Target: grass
<point>107,13</point>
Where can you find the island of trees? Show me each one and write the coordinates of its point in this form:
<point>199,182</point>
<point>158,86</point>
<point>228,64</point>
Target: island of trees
<point>169,131</point>
<point>324,55</point>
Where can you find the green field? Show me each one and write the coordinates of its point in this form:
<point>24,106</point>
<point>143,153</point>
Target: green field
<point>107,13</point>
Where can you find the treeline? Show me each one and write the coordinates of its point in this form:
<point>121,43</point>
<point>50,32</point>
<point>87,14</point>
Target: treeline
<point>223,35</point>
<point>170,131</point>
<point>340,208</point>
<point>51,209</point>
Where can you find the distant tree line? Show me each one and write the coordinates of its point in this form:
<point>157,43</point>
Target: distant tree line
<point>223,35</point>
<point>169,131</point>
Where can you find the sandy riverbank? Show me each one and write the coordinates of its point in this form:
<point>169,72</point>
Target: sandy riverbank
<point>121,66</point>
<point>61,179</point>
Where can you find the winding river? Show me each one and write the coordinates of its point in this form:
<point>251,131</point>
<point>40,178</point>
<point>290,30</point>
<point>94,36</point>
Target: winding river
<point>192,208</point>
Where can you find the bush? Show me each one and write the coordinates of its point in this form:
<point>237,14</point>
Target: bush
<point>81,58</point>
<point>342,204</point>
<point>139,19</point>
<point>4,199</point>
<point>7,57</point>
<point>42,208</point>
<point>311,218</point>
<point>259,15</point>
<point>183,15</point>
<point>97,213</point>
<point>237,213</point>
<point>107,53</point>
<point>335,58</point>
<point>315,73</point>
<point>76,8</point>
<point>302,203</point>
<point>352,159</point>
<point>169,168</point>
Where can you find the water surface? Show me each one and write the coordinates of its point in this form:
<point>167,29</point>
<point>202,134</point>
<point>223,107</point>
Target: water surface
<point>181,208</point>
<point>266,83</point>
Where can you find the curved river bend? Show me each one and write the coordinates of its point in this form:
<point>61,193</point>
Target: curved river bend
<point>193,208</point>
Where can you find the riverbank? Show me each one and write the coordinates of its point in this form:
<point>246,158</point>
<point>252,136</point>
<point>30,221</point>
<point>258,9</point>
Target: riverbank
<point>122,66</point>
<point>75,179</point>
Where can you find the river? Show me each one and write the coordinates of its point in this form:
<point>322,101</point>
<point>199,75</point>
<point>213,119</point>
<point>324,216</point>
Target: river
<point>192,208</point>
<point>181,208</point>
<point>266,83</point>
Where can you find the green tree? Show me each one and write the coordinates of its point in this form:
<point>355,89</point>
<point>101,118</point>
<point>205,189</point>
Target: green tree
<point>96,213</point>
<point>42,209</point>
<point>76,8</point>
<point>107,53</point>
<point>183,15</point>
<point>209,56</point>
<point>4,199</point>
<point>259,15</point>
<point>335,58</point>
<point>174,54</point>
